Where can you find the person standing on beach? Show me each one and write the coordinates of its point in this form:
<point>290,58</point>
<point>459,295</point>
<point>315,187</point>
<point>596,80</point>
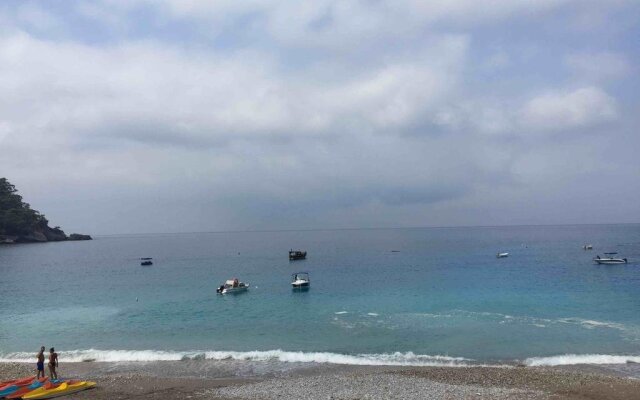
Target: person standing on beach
<point>53,363</point>
<point>40,363</point>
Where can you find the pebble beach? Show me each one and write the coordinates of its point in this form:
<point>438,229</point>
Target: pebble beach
<point>188,381</point>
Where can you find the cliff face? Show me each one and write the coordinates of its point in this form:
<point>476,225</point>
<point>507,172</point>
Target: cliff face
<point>21,224</point>
<point>41,233</point>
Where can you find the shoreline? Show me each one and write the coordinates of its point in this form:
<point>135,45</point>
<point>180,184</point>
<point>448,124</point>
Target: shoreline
<point>397,358</point>
<point>205,379</point>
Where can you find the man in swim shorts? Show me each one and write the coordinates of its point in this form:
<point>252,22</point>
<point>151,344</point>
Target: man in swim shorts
<point>40,363</point>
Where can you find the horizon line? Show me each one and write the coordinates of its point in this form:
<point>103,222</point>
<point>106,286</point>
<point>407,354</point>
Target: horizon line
<point>359,229</point>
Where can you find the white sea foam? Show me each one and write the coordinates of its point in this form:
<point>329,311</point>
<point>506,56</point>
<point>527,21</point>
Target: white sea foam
<point>341,312</point>
<point>372,314</point>
<point>572,359</point>
<point>392,359</point>
<point>601,324</point>
<point>536,321</point>
<point>399,359</point>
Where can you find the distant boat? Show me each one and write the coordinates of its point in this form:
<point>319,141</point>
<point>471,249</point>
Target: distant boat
<point>502,255</point>
<point>232,286</point>
<point>588,247</point>
<point>300,280</point>
<point>609,259</point>
<point>297,255</point>
<point>144,261</point>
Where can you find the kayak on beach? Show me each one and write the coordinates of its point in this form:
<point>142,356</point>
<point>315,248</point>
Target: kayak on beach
<point>50,391</point>
<point>19,385</point>
<point>17,382</point>
<point>26,389</point>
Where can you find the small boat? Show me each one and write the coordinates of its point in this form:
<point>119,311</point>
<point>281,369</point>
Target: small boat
<point>16,383</point>
<point>588,247</point>
<point>300,280</point>
<point>18,387</point>
<point>144,261</point>
<point>502,255</point>
<point>232,286</point>
<point>21,391</point>
<point>609,259</point>
<point>297,255</point>
<point>19,381</point>
<point>10,388</point>
<point>50,391</point>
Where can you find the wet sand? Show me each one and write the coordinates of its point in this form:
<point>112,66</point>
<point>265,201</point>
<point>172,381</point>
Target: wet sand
<point>250,380</point>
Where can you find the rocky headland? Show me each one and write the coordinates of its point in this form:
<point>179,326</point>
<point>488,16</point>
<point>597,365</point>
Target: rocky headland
<point>19,223</point>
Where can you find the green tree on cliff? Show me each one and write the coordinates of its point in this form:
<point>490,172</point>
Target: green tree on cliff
<point>16,216</point>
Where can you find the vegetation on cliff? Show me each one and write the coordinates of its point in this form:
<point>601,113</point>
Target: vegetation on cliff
<point>16,216</point>
<point>20,223</point>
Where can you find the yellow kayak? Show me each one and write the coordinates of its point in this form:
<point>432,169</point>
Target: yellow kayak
<point>60,390</point>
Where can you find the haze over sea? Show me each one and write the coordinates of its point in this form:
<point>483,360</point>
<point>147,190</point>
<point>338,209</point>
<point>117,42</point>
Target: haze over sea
<point>440,298</point>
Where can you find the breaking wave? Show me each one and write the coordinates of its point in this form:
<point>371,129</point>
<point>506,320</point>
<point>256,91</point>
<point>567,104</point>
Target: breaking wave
<point>393,359</point>
<point>573,359</point>
<point>389,359</point>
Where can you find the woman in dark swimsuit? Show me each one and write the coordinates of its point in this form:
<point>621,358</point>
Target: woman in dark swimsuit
<point>53,363</point>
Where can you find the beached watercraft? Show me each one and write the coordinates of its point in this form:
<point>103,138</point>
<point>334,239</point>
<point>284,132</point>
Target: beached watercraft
<point>300,280</point>
<point>26,389</point>
<point>51,391</point>
<point>502,255</point>
<point>232,286</point>
<point>19,382</point>
<point>8,389</point>
<point>609,259</point>
<point>18,385</point>
<point>297,255</point>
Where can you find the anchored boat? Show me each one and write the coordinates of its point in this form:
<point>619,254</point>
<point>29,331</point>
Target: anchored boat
<point>610,259</point>
<point>297,255</point>
<point>232,286</point>
<point>300,280</point>
<point>144,261</point>
<point>502,255</point>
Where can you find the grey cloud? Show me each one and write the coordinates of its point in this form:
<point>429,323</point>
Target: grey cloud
<point>355,114</point>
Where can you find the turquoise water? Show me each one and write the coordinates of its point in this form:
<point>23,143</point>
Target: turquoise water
<point>443,298</point>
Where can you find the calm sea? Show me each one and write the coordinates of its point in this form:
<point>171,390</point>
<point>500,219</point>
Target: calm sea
<point>436,296</point>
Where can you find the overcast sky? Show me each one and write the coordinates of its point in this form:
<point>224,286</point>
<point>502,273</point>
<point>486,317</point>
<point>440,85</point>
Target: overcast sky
<point>177,116</point>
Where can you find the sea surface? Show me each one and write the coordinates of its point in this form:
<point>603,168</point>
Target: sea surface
<point>432,296</point>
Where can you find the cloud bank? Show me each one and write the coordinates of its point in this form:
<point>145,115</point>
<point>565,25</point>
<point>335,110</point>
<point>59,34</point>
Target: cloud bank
<point>144,116</point>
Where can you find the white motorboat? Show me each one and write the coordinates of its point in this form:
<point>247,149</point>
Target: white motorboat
<point>502,255</point>
<point>588,247</point>
<point>300,280</point>
<point>609,259</point>
<point>232,286</point>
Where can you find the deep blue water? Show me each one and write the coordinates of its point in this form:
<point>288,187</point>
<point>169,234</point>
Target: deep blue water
<point>443,293</point>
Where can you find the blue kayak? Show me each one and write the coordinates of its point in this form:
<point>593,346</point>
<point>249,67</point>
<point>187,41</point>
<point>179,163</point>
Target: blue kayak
<point>9,390</point>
